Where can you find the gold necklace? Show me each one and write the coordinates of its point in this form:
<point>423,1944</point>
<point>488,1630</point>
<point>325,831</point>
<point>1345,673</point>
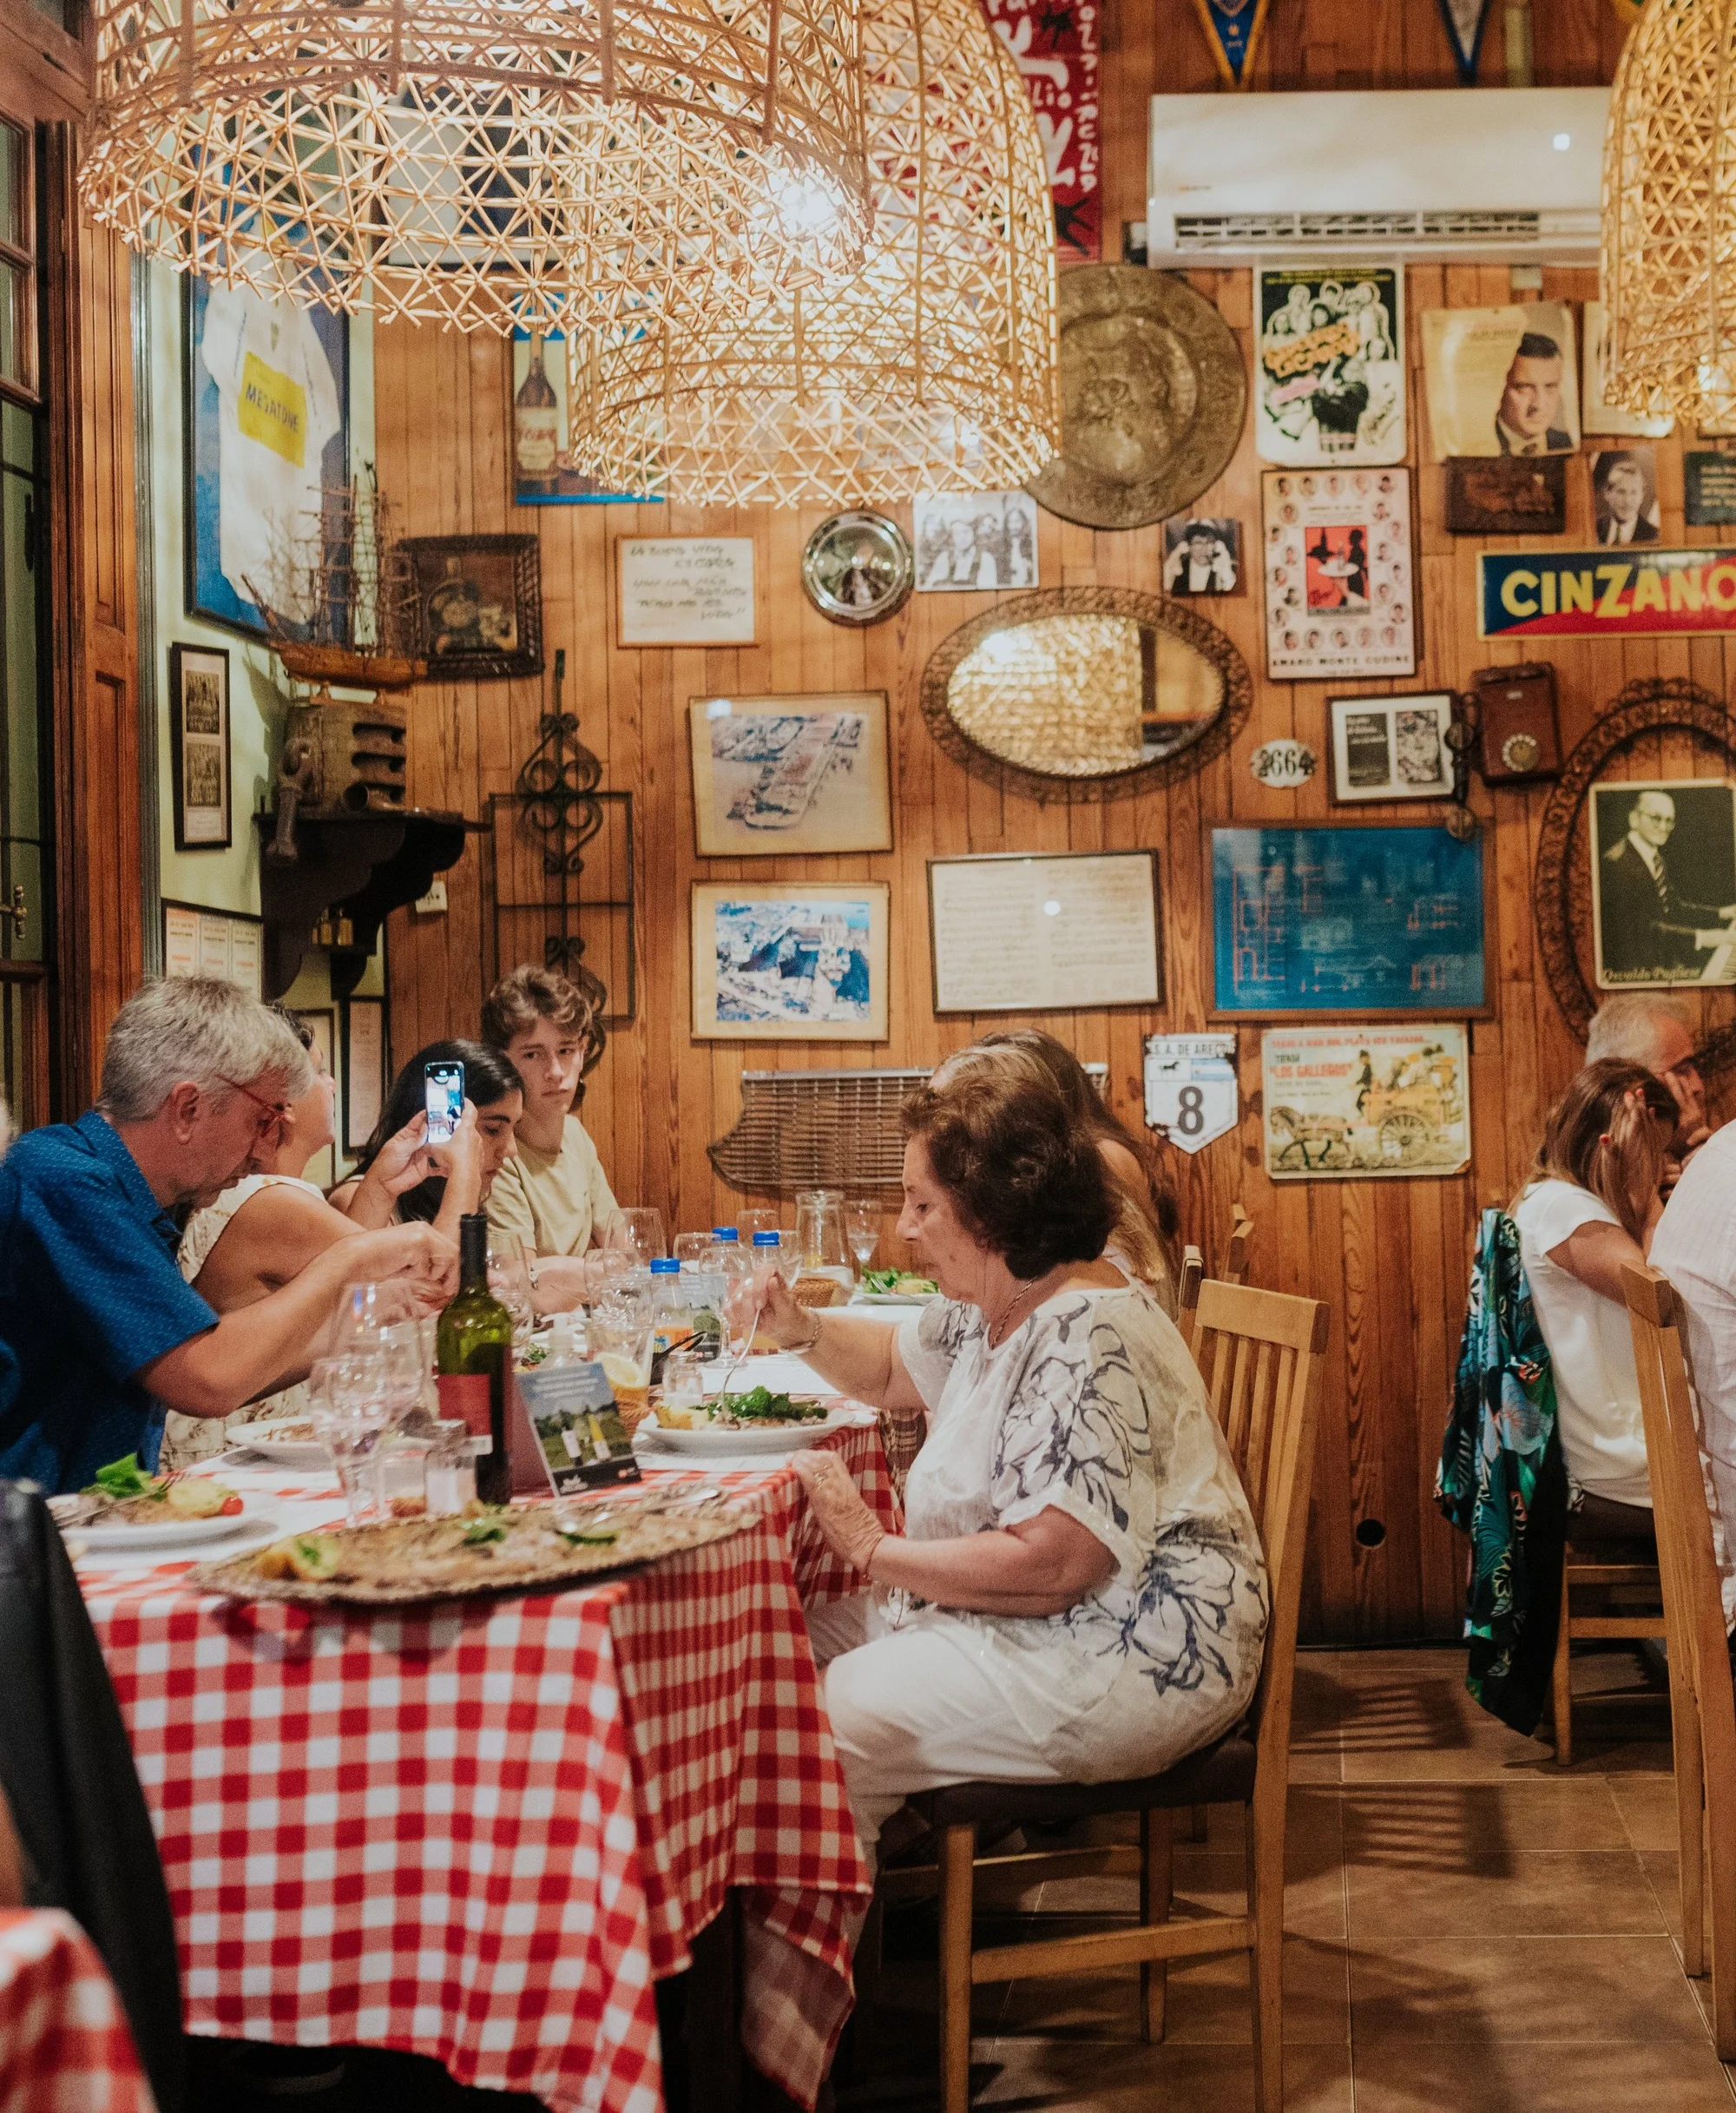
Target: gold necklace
<point>1001,1318</point>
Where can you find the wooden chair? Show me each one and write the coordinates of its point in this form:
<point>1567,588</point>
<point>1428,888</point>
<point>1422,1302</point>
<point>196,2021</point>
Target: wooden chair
<point>1261,1354</point>
<point>1188,1292</point>
<point>1702,1706</point>
<point>1584,1572</point>
<point>1236,1254</point>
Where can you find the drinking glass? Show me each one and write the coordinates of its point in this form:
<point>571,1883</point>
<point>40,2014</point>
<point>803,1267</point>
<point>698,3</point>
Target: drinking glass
<point>359,1319</point>
<point>862,1227</point>
<point>607,1269</point>
<point>752,1221</point>
<point>403,1371</point>
<point>690,1249</point>
<point>401,1464</point>
<point>349,1415</point>
<point>684,1379</point>
<point>509,1279</point>
<point>644,1235</point>
<point>621,1343</point>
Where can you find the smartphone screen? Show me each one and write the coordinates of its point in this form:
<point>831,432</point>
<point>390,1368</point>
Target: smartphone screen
<point>442,1086</point>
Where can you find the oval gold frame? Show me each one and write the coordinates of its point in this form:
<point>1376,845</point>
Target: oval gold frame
<point>1151,611</point>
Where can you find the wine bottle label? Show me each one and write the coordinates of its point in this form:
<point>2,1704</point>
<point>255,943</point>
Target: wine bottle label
<point>465,1395</point>
<point>538,436</point>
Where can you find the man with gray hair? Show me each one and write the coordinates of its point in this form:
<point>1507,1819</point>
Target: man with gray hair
<point>1645,1027</point>
<point>197,1078</point>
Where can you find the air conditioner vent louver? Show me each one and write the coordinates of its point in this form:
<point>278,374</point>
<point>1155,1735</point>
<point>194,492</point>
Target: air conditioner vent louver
<point>1214,231</point>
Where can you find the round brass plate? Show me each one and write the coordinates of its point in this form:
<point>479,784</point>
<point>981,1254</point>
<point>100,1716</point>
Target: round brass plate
<point>1153,396</point>
<point>857,567</point>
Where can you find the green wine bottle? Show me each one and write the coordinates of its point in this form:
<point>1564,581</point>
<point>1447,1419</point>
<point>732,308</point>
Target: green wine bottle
<point>473,1359</point>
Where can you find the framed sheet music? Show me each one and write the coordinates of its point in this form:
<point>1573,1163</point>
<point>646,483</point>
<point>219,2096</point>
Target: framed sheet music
<point>1018,934</point>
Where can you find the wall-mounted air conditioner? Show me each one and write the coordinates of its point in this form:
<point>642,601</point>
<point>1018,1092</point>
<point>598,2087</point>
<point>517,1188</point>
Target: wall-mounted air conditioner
<point>1496,174</point>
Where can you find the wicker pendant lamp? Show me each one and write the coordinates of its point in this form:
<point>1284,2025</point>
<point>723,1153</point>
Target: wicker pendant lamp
<point>933,366</point>
<point>480,162</point>
<point>1669,214</point>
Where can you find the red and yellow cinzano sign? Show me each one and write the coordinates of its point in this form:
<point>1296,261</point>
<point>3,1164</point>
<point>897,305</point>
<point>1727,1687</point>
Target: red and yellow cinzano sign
<point>1627,592</point>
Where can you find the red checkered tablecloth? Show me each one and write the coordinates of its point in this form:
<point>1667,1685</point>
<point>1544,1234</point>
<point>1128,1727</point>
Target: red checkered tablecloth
<point>65,2043</point>
<point>482,1832</point>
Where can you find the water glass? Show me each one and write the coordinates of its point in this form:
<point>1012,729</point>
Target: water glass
<point>621,1344</point>
<point>690,1249</point>
<point>684,1379</point>
<point>401,1465</point>
<point>349,1415</point>
<point>752,1221</point>
<point>403,1371</point>
<point>509,1279</point>
<point>644,1236</point>
<point>862,1227</point>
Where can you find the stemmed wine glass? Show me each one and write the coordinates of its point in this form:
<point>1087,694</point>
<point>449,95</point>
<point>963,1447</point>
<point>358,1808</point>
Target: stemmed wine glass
<point>349,1413</point>
<point>862,1228</point>
<point>403,1368</point>
<point>644,1236</point>
<point>509,1279</point>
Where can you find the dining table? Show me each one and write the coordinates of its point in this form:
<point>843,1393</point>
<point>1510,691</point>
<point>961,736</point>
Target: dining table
<point>483,1830</point>
<point>65,2045</point>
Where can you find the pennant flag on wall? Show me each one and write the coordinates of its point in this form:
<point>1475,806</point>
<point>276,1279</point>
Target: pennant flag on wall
<point>1232,28</point>
<point>1464,20</point>
<point>1054,46</point>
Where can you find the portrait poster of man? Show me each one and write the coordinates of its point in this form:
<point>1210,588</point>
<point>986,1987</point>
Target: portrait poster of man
<point>1624,495</point>
<point>1329,380</point>
<point>267,411</point>
<point>1501,381</point>
<point>1663,858</point>
<point>1202,556</point>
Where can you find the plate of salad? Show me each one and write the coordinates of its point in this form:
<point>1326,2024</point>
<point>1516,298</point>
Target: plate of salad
<point>126,1508</point>
<point>897,1287</point>
<point>757,1421</point>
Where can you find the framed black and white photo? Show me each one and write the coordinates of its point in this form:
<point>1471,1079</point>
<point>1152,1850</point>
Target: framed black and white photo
<point>198,745</point>
<point>975,539</point>
<point>1624,494</point>
<point>1202,555</point>
<point>1663,883</point>
<point>1391,747</point>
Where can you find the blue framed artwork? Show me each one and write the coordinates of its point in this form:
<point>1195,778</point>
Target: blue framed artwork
<point>1350,919</point>
<point>268,431</point>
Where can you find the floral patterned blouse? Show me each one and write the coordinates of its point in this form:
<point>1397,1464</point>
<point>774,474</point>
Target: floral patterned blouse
<point>1095,1408</point>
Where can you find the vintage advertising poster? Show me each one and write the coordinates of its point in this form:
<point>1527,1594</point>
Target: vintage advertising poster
<point>1054,46</point>
<point>1501,381</point>
<point>1190,1087</point>
<point>1605,594</point>
<point>1663,883</point>
<point>1348,1103</point>
<point>267,433</point>
<point>1340,593</point>
<point>542,469</point>
<point>1329,385</point>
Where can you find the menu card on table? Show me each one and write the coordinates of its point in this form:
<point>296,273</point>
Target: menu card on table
<point>577,1439</point>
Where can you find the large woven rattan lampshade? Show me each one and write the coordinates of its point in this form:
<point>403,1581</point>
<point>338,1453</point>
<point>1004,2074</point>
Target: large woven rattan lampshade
<point>1669,214</point>
<point>485,162</point>
<point>934,366</point>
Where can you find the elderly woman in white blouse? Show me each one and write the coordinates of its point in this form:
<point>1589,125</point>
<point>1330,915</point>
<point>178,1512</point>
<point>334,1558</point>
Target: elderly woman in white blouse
<point>1079,1593</point>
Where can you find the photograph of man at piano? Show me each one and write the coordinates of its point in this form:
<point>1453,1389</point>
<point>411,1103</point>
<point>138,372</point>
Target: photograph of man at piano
<point>1663,858</point>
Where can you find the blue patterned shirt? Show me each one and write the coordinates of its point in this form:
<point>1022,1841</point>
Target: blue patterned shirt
<point>89,1295</point>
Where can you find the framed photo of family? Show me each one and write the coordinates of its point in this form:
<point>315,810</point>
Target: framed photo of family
<point>790,960</point>
<point>1340,592</point>
<point>198,745</point>
<point>791,775</point>
<point>1391,747</point>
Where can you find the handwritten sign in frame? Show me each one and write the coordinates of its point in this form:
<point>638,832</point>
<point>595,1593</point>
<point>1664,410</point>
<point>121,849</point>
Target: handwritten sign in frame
<point>1029,958</point>
<point>686,590</point>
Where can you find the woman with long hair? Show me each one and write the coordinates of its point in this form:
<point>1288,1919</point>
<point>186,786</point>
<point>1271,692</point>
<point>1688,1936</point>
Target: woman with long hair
<point>1589,1209</point>
<point>441,1184</point>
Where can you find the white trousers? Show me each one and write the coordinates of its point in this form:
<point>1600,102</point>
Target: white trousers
<point>912,1708</point>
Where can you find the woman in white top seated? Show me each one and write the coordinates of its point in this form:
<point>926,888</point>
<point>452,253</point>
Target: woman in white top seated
<point>1590,1208</point>
<point>1079,1593</point>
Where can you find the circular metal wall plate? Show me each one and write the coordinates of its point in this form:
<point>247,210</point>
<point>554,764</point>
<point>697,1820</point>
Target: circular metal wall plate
<point>858,569</point>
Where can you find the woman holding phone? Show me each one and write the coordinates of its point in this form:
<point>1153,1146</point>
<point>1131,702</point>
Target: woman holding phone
<point>402,1174</point>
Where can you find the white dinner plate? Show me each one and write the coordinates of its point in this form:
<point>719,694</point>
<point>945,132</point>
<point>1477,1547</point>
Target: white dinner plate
<point>261,1438</point>
<point>791,1438</point>
<point>893,1298</point>
<point>115,1538</point>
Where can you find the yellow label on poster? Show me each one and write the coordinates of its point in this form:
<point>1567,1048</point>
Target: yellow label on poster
<point>272,410</point>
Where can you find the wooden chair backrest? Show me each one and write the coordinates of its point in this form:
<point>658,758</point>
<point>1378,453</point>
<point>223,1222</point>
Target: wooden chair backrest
<point>1261,1355</point>
<point>1188,1292</point>
<point>1694,1603</point>
<point>1236,1254</point>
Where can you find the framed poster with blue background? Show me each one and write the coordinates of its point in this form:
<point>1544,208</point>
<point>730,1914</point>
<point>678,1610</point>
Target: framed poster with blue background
<point>1356,920</point>
<point>267,419</point>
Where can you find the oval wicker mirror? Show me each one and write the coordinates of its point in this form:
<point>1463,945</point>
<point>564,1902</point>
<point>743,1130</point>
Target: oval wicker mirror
<point>1084,692</point>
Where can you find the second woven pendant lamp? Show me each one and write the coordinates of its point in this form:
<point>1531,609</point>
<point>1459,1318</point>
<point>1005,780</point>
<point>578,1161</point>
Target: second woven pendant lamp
<point>1669,214</point>
<point>480,162</point>
<point>933,366</point>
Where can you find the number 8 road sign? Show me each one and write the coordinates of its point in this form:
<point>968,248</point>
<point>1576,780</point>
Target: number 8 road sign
<point>1190,1087</point>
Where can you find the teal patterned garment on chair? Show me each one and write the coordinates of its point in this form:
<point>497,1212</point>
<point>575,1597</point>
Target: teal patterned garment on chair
<point>1503,1481</point>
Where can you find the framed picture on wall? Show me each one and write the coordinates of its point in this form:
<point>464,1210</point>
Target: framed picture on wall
<point>1663,883</point>
<point>198,745</point>
<point>1340,591</point>
<point>1369,920</point>
<point>322,1024</point>
<point>790,960</point>
<point>1017,934</point>
<point>1345,1103</point>
<point>478,605</point>
<point>266,428</point>
<point>1391,747</point>
<point>364,1068</point>
<point>798,775</point>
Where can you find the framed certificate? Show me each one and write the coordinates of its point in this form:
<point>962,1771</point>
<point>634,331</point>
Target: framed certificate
<point>1017,934</point>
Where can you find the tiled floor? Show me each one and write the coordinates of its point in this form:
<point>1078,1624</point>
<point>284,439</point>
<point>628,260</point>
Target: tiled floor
<point>1468,1927</point>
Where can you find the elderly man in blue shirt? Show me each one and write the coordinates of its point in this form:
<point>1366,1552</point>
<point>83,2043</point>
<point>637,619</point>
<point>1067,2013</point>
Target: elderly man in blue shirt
<point>94,1314</point>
